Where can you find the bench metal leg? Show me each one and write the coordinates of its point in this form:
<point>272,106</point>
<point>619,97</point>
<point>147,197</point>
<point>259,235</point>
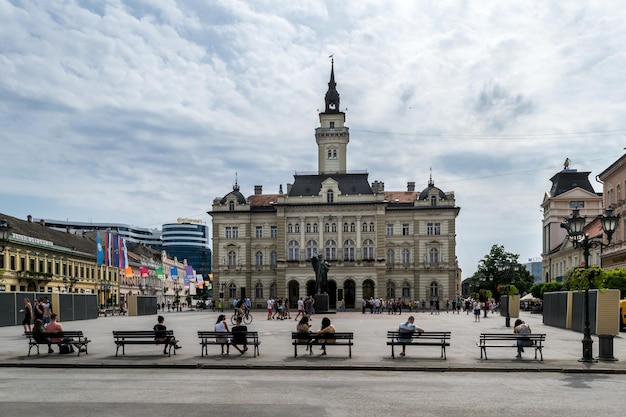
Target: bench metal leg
<point>393,354</point>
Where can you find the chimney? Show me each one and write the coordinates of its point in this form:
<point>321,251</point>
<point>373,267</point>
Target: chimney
<point>258,189</point>
<point>410,186</point>
<point>42,222</point>
<point>289,188</point>
<point>29,218</point>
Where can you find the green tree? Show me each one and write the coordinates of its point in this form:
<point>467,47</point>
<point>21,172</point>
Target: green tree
<point>500,273</point>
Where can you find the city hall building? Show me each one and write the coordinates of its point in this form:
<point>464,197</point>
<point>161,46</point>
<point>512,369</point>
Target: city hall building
<point>388,244</point>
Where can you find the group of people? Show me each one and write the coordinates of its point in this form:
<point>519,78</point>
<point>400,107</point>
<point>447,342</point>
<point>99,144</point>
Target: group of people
<point>52,333</point>
<point>42,310</point>
<point>240,334</point>
<point>278,309</point>
<point>304,328</point>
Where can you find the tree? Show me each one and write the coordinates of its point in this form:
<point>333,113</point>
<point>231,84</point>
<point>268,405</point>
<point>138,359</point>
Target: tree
<point>500,273</point>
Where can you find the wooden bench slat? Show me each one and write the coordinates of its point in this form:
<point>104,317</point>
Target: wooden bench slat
<point>432,338</point>
<point>143,337</point>
<point>211,338</point>
<point>509,340</point>
<point>314,339</point>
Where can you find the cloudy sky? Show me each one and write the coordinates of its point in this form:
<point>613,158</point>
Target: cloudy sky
<point>141,112</point>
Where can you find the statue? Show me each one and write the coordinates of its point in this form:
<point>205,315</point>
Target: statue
<point>320,266</point>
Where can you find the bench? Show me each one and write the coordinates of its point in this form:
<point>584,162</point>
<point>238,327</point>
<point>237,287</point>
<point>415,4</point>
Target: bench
<point>313,339</point>
<point>441,339</point>
<point>144,337</point>
<point>73,337</point>
<point>509,340</point>
<point>225,338</point>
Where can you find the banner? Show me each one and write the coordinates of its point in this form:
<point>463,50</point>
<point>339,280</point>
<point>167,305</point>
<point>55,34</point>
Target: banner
<point>159,273</point>
<point>174,273</point>
<point>190,275</point>
<point>99,249</point>
<point>128,272</point>
<point>144,272</point>
<point>115,251</point>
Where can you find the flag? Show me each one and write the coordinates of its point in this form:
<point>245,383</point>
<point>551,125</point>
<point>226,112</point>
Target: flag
<point>144,272</point>
<point>174,273</point>
<point>159,273</point>
<point>100,251</point>
<point>189,274</point>
<point>115,251</point>
<point>128,272</point>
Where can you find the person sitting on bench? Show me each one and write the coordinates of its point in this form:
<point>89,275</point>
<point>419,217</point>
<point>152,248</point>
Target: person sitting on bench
<point>407,329</point>
<point>161,336</point>
<point>240,333</point>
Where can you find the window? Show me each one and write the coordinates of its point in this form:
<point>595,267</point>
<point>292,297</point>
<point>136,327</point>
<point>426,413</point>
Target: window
<point>390,256</point>
<point>273,231</point>
<point>391,290</point>
<point>345,227</point>
<point>331,250</point>
<point>297,228</point>
<point>434,289</point>
<point>311,249</point>
<point>364,227</point>
<point>308,227</point>
<point>229,232</point>
<point>259,231</point>
<point>368,249</point>
<point>434,256</point>
<point>273,290</point>
<point>258,290</point>
<point>390,230</point>
<point>231,206</point>
<point>433,228</point>
<point>232,291</point>
<point>372,227</point>
<point>330,196</point>
<point>406,255</point>
<point>290,228</point>
<point>235,232</point>
<point>406,290</point>
<point>315,228</point>
<point>232,258</point>
<point>258,258</point>
<point>329,154</point>
<point>327,227</point>
<point>348,250</point>
<point>405,229</point>
<point>352,227</point>
<point>332,125</point>
<point>576,204</point>
<point>334,227</point>
<point>273,259</point>
<point>433,201</point>
<point>293,251</point>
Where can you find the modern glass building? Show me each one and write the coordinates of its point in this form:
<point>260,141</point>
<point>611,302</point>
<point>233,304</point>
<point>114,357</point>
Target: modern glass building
<point>189,239</point>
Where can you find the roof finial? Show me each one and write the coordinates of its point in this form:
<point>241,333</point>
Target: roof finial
<point>332,96</point>
<point>236,186</point>
<point>430,181</point>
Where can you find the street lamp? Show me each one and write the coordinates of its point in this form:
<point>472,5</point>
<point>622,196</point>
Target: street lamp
<point>575,226</point>
<point>5,233</point>
<point>486,280</point>
<point>508,266</point>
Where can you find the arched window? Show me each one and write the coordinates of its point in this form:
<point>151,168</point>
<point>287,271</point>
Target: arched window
<point>391,290</point>
<point>330,196</point>
<point>348,250</point>
<point>330,154</point>
<point>334,227</point>
<point>311,249</point>
<point>258,257</point>
<point>434,256</point>
<point>372,229</point>
<point>406,290</point>
<point>406,256</point>
<point>331,250</point>
<point>273,290</point>
<point>368,249</point>
<point>290,228</point>
<point>390,256</point>
<point>315,228</point>
<point>232,258</point>
<point>345,227</point>
<point>232,291</point>
<point>434,289</point>
<point>258,290</point>
<point>297,228</point>
<point>326,227</point>
<point>433,201</point>
<point>293,251</point>
<point>364,227</point>
<point>273,259</point>
<point>308,227</point>
<point>231,206</point>
<point>352,227</point>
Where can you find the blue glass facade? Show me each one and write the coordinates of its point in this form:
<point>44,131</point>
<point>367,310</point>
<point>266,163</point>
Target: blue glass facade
<point>189,241</point>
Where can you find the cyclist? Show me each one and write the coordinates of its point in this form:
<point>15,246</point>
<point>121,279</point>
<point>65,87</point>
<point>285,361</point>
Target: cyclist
<point>241,308</point>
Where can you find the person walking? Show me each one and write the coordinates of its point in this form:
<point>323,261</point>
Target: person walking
<point>300,308</point>
<point>28,314</point>
<point>477,311</point>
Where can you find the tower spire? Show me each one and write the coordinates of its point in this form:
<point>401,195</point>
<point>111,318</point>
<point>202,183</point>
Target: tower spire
<point>332,96</point>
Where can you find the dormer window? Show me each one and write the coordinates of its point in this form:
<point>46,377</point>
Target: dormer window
<point>433,201</point>
<point>332,125</point>
<point>330,196</point>
<point>231,206</point>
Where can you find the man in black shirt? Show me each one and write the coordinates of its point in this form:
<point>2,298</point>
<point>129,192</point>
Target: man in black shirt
<point>240,333</point>
<point>161,336</point>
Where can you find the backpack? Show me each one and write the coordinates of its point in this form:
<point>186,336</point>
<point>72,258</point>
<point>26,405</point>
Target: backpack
<point>66,348</point>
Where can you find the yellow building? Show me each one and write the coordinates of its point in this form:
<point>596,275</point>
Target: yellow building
<point>379,243</point>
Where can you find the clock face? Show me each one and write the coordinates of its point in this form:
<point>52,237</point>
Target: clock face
<point>332,106</point>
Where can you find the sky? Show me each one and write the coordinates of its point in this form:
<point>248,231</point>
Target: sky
<point>141,112</point>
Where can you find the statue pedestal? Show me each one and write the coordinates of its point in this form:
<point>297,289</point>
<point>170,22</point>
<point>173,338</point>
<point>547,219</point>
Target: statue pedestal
<point>321,303</point>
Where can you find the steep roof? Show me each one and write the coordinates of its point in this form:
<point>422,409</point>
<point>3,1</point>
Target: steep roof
<point>352,184</point>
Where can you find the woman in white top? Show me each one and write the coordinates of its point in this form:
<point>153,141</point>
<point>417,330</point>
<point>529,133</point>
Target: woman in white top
<point>222,326</point>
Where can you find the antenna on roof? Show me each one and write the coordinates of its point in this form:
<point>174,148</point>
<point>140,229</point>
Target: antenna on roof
<point>236,186</point>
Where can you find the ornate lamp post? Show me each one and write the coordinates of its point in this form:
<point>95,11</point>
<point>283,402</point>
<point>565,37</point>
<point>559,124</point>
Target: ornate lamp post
<point>505,268</point>
<point>575,225</point>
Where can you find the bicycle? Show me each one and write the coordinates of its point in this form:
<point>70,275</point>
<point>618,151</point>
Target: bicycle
<point>246,317</point>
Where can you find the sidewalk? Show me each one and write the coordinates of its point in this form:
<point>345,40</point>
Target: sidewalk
<point>561,352</point>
